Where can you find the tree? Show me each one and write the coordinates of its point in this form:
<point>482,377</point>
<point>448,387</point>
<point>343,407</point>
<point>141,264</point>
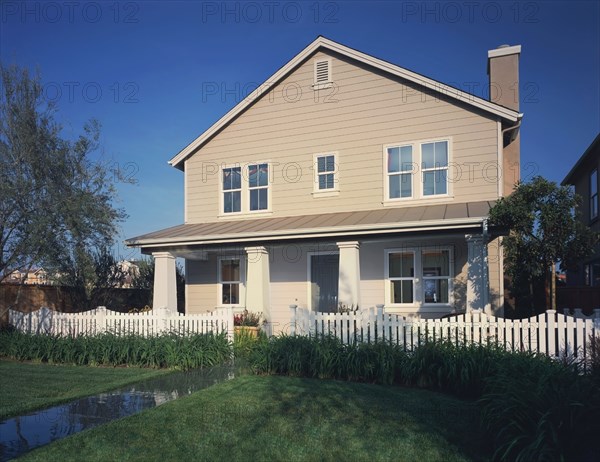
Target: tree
<point>544,230</point>
<point>56,204</point>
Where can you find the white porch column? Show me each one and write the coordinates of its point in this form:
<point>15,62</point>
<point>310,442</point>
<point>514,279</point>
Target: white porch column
<point>349,274</point>
<point>258,293</point>
<point>477,282</point>
<point>165,283</point>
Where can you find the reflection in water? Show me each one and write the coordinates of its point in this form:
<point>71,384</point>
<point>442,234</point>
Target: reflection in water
<point>24,433</point>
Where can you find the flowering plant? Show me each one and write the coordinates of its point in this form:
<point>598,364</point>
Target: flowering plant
<point>247,319</point>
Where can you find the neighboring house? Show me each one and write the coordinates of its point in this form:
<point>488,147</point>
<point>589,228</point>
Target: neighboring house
<point>584,177</point>
<point>130,270</point>
<point>345,180</point>
<point>35,276</point>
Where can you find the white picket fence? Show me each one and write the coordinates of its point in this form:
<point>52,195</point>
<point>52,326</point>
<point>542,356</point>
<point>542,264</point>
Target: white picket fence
<point>551,333</point>
<point>100,320</point>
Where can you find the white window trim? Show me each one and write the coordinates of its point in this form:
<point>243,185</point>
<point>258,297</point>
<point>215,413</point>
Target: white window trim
<point>245,191</point>
<point>418,303</point>
<point>267,187</point>
<point>417,175</point>
<point>322,85</point>
<point>242,291</point>
<point>415,278</point>
<point>309,256</point>
<point>335,191</point>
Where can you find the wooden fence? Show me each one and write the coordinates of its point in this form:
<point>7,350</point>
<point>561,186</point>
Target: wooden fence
<point>551,333</point>
<point>102,320</point>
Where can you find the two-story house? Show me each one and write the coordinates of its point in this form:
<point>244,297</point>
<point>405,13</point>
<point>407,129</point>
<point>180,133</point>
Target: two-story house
<point>584,177</point>
<point>345,180</point>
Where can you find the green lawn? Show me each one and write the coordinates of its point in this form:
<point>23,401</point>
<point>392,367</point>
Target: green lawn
<point>26,387</point>
<point>282,418</point>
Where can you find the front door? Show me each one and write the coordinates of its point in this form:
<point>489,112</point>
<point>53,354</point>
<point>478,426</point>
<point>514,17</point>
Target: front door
<point>324,271</point>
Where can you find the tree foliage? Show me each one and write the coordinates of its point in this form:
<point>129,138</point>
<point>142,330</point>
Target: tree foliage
<point>544,230</point>
<point>57,204</point>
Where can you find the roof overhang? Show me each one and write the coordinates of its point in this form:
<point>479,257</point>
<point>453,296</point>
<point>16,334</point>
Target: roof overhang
<point>587,154</point>
<point>315,233</point>
<point>384,221</point>
<point>322,43</point>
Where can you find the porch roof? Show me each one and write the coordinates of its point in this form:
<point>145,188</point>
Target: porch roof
<point>365,222</point>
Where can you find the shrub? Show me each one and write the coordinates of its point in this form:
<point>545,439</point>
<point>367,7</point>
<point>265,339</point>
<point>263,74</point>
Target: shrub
<point>163,351</point>
<point>539,409</point>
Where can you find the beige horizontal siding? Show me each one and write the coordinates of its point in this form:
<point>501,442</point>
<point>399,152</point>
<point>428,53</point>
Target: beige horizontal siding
<point>371,111</point>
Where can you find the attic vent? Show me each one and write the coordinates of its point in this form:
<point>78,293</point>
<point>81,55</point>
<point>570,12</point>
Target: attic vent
<point>322,74</point>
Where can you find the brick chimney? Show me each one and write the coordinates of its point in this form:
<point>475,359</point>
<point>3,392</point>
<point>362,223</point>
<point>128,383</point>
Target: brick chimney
<point>503,70</point>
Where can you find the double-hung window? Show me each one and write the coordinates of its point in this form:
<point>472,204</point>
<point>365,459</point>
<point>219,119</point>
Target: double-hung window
<point>232,190</point>
<point>594,194</point>
<point>246,188</point>
<point>416,170</point>
<point>326,171</point>
<point>434,165</point>
<point>401,274</point>
<point>230,280</point>
<point>418,277</point>
<point>400,171</point>
<point>258,185</point>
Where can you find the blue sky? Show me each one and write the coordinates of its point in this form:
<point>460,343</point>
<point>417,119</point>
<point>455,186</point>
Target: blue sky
<point>147,70</point>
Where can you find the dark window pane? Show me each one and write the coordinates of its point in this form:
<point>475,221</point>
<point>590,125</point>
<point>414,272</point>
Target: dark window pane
<point>435,290</point>
<point>405,185</point>
<point>393,160</point>
<point>428,183</point>
<point>253,176</point>
<point>402,292</point>
<point>441,185</point>
<point>321,164</point>
<point>263,199</point>
<point>401,265</point>
<point>236,178</point>
<point>394,186</point>
<point>441,154</point>
<point>427,155</point>
<point>263,175</point>
<point>330,163</point>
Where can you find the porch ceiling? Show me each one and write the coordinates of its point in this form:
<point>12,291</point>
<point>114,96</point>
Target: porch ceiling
<point>365,222</point>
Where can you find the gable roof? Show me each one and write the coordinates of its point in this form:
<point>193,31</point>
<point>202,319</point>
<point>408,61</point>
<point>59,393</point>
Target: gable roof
<point>593,149</point>
<point>322,43</point>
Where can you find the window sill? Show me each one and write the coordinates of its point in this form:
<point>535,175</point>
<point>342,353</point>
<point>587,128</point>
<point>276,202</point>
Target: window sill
<point>326,193</point>
<point>420,201</point>
<point>245,215</point>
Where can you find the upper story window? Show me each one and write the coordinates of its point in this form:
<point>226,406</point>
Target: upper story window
<point>326,181</point>
<point>325,172</point>
<point>245,189</point>
<point>400,171</point>
<point>232,190</point>
<point>425,162</point>
<point>434,164</point>
<point>594,194</point>
<point>258,185</point>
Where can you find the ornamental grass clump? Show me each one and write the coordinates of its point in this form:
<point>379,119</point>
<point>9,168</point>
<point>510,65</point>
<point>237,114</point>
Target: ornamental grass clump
<point>161,351</point>
<point>535,408</point>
